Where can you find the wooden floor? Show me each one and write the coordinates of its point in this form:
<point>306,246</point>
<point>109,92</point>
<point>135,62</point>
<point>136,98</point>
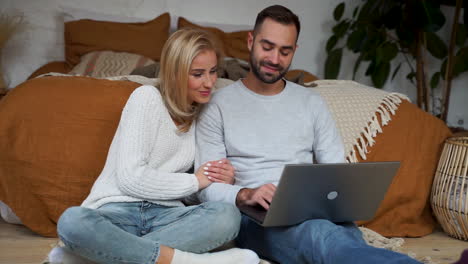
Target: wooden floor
<point>18,245</point>
<point>439,246</point>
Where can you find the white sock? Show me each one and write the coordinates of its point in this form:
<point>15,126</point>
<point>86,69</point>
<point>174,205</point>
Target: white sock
<point>61,255</point>
<point>230,256</point>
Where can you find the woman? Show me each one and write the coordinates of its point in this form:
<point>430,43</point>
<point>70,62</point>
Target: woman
<point>134,212</point>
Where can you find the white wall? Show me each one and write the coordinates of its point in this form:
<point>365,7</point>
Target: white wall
<point>43,41</point>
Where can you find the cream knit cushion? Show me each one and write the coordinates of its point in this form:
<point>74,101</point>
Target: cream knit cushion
<point>101,64</point>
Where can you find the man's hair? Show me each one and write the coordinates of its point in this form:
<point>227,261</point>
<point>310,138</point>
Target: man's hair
<point>176,59</point>
<point>279,14</point>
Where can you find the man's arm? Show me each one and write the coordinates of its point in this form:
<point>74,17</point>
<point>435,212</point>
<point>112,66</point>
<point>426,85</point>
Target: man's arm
<point>210,145</point>
<point>328,145</point>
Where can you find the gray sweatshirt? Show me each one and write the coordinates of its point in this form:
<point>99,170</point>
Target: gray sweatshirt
<point>260,134</point>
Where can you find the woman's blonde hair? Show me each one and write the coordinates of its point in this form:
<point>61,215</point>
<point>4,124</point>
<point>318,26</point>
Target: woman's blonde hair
<point>176,58</point>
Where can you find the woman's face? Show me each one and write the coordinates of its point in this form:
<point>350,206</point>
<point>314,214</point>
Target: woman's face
<point>202,77</point>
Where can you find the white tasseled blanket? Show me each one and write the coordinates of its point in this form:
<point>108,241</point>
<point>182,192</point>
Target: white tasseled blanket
<point>354,107</point>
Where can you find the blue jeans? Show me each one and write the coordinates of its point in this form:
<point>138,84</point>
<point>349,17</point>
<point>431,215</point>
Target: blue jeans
<point>133,232</point>
<point>314,241</point>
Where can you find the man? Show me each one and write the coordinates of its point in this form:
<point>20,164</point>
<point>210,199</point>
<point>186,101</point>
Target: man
<point>263,122</point>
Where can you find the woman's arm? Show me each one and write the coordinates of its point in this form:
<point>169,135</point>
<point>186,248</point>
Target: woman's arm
<point>139,126</point>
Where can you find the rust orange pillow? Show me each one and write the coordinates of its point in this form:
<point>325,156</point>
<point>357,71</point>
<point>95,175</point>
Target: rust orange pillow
<point>55,133</point>
<point>415,138</point>
<point>234,44</point>
<point>86,35</point>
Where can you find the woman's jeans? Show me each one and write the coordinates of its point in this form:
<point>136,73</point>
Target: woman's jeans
<point>314,241</point>
<point>133,232</point>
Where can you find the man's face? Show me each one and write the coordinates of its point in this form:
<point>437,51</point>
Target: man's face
<point>272,50</point>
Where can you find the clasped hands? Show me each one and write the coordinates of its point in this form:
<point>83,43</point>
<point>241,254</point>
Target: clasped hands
<point>220,171</point>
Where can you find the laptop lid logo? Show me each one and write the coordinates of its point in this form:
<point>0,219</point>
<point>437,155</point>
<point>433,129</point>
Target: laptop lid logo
<point>332,195</point>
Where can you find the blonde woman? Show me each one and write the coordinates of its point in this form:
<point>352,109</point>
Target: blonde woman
<point>134,212</point>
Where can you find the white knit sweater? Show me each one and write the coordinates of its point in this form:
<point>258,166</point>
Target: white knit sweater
<point>147,158</point>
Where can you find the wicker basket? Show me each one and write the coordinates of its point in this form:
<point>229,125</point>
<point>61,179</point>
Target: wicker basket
<point>449,197</point>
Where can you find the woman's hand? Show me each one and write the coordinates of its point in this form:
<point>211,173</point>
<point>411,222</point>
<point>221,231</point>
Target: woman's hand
<point>202,178</point>
<point>215,171</point>
<point>220,171</point>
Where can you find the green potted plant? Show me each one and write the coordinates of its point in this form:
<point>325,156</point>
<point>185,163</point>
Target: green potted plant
<point>379,30</point>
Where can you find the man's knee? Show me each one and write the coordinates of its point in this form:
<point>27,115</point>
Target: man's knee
<point>323,233</point>
<point>318,229</point>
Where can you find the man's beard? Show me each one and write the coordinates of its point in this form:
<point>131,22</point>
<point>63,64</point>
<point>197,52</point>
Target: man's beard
<point>267,77</point>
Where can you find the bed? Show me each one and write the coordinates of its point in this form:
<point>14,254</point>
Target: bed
<point>54,146</point>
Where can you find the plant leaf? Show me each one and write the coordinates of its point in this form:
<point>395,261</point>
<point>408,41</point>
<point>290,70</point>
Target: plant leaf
<point>364,10</point>
<point>388,51</point>
<point>410,76</point>
<point>356,40</point>
<point>370,44</point>
<point>380,75</point>
<point>369,9</point>
<point>331,43</point>
<point>341,28</point>
<point>393,17</point>
<point>461,62</point>
<point>461,35</point>
<point>333,63</point>
<point>465,13</point>
<point>369,55</point>
<point>371,68</point>
<point>356,65</point>
<point>356,9</point>
<point>432,17</point>
<point>385,52</point>
<point>338,12</point>
<point>378,55</point>
<point>405,36</point>
<point>435,80</point>
<point>396,71</point>
<point>464,54</point>
<point>436,46</point>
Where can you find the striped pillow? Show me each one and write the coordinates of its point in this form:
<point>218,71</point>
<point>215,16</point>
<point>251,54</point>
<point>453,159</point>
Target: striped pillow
<point>108,63</point>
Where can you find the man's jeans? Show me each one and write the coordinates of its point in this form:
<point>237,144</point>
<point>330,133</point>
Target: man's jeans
<point>314,241</point>
<point>133,232</point>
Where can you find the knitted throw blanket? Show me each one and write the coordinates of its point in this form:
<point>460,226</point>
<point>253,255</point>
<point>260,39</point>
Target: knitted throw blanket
<point>354,107</point>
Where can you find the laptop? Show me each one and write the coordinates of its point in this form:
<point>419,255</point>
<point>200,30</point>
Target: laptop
<point>341,192</point>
